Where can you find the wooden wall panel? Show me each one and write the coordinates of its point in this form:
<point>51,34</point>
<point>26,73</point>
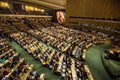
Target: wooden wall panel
<point>93,9</point>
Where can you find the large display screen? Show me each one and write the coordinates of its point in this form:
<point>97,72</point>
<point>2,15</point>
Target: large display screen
<point>60,16</point>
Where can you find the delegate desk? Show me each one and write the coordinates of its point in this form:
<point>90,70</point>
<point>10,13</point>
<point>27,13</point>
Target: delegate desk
<point>42,77</point>
<point>74,51</point>
<point>113,53</point>
<point>50,57</point>
<point>60,63</point>
<point>24,77</point>
<point>15,67</point>
<point>89,74</point>
<point>65,49</point>
<point>73,70</point>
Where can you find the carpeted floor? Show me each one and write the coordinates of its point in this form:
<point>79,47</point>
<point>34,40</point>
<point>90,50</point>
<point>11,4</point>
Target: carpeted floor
<point>94,62</point>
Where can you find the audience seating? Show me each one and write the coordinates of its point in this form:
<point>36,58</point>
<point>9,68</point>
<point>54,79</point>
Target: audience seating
<point>12,65</point>
<point>47,56</point>
<point>5,11</point>
<point>64,43</point>
<point>68,42</point>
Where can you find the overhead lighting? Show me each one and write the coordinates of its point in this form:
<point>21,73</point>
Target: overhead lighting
<point>42,10</point>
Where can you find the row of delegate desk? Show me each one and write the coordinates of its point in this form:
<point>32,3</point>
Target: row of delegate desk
<point>59,44</point>
<point>67,40</point>
<point>12,65</point>
<point>55,60</point>
<point>69,48</point>
<point>113,53</point>
<point>71,41</point>
<point>63,40</point>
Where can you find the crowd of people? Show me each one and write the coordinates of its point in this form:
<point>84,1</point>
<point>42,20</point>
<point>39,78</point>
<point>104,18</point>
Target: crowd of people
<point>32,33</point>
<point>113,53</point>
<point>13,66</point>
<point>46,55</point>
<point>112,29</point>
<point>111,32</point>
<point>70,41</point>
